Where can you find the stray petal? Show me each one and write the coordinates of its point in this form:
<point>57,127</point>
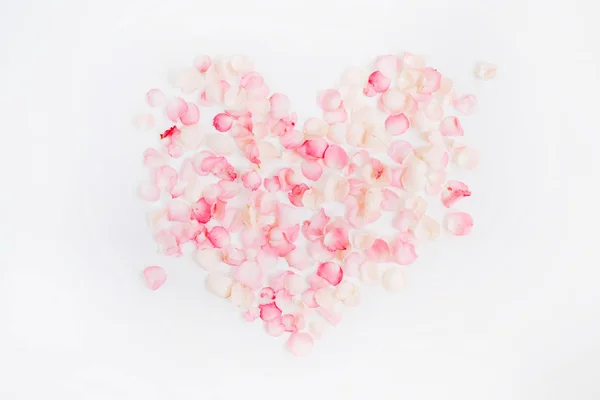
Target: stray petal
<point>335,157</point>
<point>191,116</point>
<point>312,170</point>
<point>459,223</point>
<point>156,98</point>
<point>218,236</point>
<point>485,71</point>
<point>300,344</point>
<point>454,191</point>
<point>397,124</point>
<point>393,279</point>
<point>450,126</point>
<point>369,272</point>
<point>465,104</point>
<point>155,276</point>
<point>466,157</point>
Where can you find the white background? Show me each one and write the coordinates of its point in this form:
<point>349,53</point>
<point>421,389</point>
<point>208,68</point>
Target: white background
<point>511,312</point>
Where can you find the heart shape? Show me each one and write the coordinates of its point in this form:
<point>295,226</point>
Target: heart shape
<point>283,230</point>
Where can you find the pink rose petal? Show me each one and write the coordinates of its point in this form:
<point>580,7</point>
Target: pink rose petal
<point>459,223</point>
<point>176,108</point>
<point>156,98</point>
<point>155,276</point>
<point>335,157</point>
<point>223,122</point>
<point>312,170</point>
<point>397,124</point>
<point>450,126</point>
<point>269,312</point>
<point>331,272</point>
<point>399,150</point>
<point>465,104</point>
<point>300,344</point>
<point>191,116</point>
<point>218,236</point>
<point>329,100</point>
<point>454,191</point>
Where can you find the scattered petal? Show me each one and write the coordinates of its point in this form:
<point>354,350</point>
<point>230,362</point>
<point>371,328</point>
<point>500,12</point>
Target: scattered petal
<point>155,276</point>
<point>459,223</point>
<point>393,279</point>
<point>397,124</point>
<point>312,170</point>
<point>485,71</point>
<point>300,344</point>
<point>454,191</point>
<point>331,272</point>
<point>219,284</point>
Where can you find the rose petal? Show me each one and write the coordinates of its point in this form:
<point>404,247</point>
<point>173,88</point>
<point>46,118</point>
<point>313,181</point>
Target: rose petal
<point>450,126</point>
<point>393,280</point>
<point>329,100</point>
<point>454,191</point>
<point>369,272</point>
<point>335,157</point>
<point>155,276</point>
<point>269,312</point>
<point>399,150</point>
<point>156,98</point>
<point>191,116</point>
<point>485,71</point>
<point>397,124</point>
<point>331,272</point>
<point>465,104</point>
<point>300,344</point>
<point>280,106</point>
<point>223,122</point>
<point>312,170</point>
<point>219,284</point>
<point>466,157</point>
<point>176,108</point>
<point>218,237</point>
<point>459,223</point>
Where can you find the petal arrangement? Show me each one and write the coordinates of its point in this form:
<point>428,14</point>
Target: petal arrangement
<point>282,215</point>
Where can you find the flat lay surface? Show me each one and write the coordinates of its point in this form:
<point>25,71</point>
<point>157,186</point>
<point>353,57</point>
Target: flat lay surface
<point>509,311</point>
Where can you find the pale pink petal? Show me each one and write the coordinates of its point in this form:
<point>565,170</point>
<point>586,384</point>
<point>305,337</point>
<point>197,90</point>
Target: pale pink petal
<point>293,139</point>
<point>428,228</point>
<point>315,128</point>
<point>391,201</point>
<point>298,259</point>
<point>223,122</point>
<point>178,210</point>
<point>397,124</point>
<point>289,322</point>
<point>329,100</point>
<point>144,122</point>
<point>369,272</point>
<point>402,252</point>
<point>399,150</point>
<point>267,260</point>
<point>379,251</point>
<point>336,188</point>
<point>434,111</point>
<point>454,191</point>
<point>219,284</point>
<point>325,298</point>
<point>295,284</point>
<point>459,223</point>
<point>312,170</point>
<point>450,126</point>
<point>356,135</point>
<point>432,80</point>
<point>319,253</point>
<point>202,63</point>
<point>149,192</point>
<point>308,298</point>
<point>269,312</point>
<point>165,177</point>
<point>331,316</point>
<point>176,108</point>
<point>249,273</point>
<point>387,64</point>
<point>331,272</point>
<point>287,178</point>
<point>316,282</point>
<point>156,98</point>
<point>395,101</point>
<point>336,239</point>
<point>362,240</point>
<point>361,158</point>
<point>300,344</point>
<point>232,256</point>
<point>485,71</point>
<point>155,276</point>
<point>251,180</point>
<point>405,220</point>
<point>393,280</point>
<point>465,104</point>
<point>379,82</point>
<point>275,327</point>
<point>218,237</point>
<point>337,133</point>
<point>191,116</point>
<point>251,314</point>
<point>280,106</point>
<point>272,184</point>
<point>153,158</point>
<point>352,264</point>
<point>317,328</point>
<point>335,157</point>
<point>336,116</point>
<point>466,157</point>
